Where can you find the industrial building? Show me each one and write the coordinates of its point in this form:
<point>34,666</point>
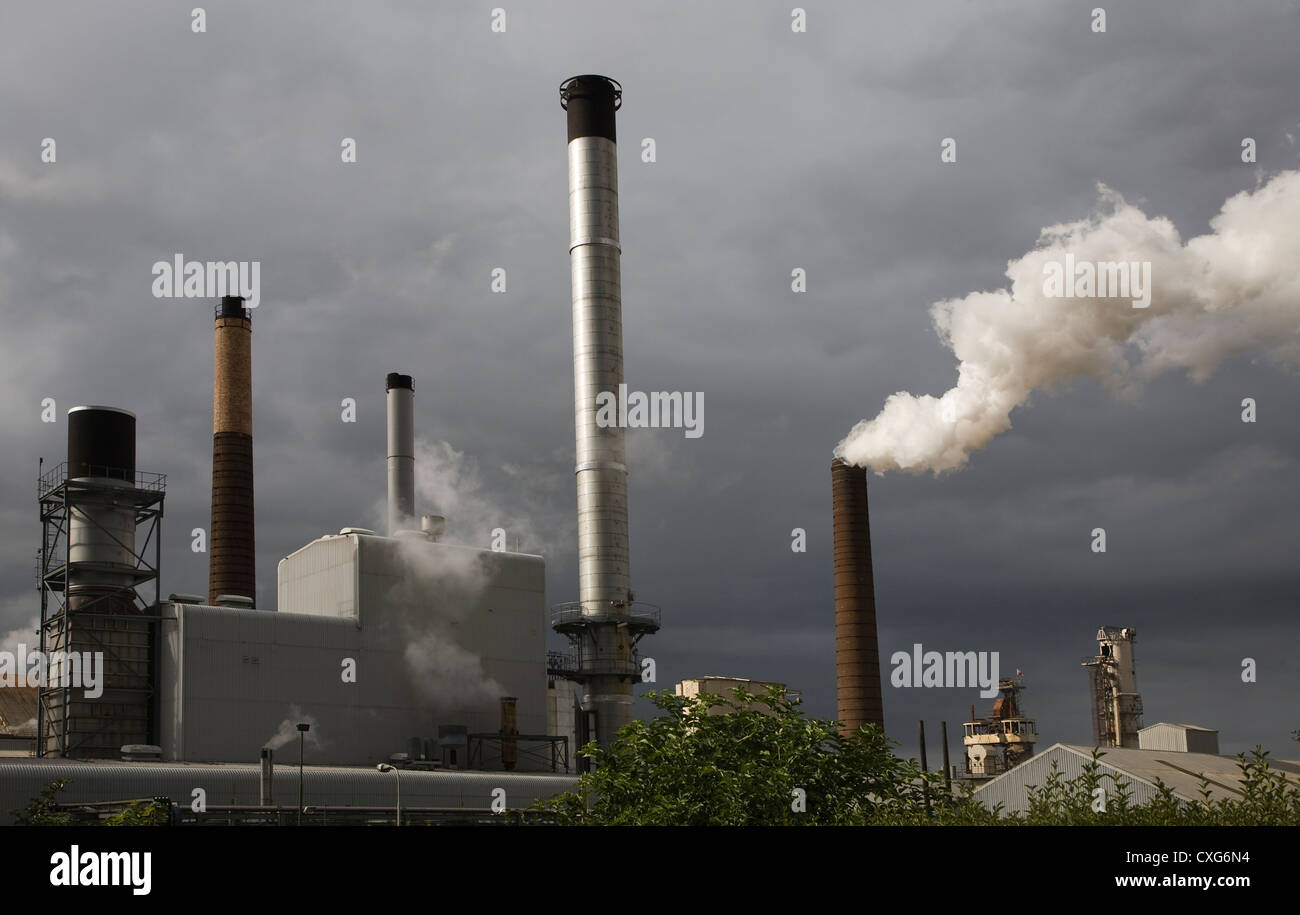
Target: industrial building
<point>723,686</point>
<point>17,720</point>
<point>1183,738</point>
<point>1137,769</point>
<point>385,648</point>
<point>1116,704</point>
<point>1004,738</point>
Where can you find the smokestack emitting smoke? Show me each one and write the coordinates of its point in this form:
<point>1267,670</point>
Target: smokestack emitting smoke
<point>1234,289</point>
<point>232,557</point>
<point>601,470</point>
<point>401,452</point>
<point>857,652</point>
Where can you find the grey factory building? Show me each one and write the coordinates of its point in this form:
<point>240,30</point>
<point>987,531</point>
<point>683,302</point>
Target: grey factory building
<point>386,649</point>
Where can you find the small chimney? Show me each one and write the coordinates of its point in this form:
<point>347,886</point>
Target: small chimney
<point>857,651</point>
<point>268,776</point>
<point>401,452</point>
<point>509,727</point>
<point>433,526</point>
<point>232,567</point>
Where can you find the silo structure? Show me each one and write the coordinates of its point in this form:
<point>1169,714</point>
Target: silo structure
<point>97,632</point>
<point>605,624</point>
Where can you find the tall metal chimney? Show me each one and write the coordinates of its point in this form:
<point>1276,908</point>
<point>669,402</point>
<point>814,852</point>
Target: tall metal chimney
<point>232,557</point>
<point>857,651</point>
<point>401,453</point>
<point>604,626</point>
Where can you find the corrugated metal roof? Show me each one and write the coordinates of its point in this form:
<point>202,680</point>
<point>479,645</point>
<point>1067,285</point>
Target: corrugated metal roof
<point>21,780</point>
<point>18,710</point>
<point>1185,727</point>
<point>1139,768</point>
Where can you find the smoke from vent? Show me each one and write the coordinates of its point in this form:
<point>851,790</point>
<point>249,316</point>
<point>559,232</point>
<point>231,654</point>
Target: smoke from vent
<point>288,730</point>
<point>1234,289</point>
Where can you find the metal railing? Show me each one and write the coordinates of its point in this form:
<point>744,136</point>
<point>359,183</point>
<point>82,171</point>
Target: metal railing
<point>637,613</point>
<point>57,476</point>
<point>572,664</point>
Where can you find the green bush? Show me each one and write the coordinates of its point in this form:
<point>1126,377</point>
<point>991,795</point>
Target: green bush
<point>43,811</point>
<point>688,767</point>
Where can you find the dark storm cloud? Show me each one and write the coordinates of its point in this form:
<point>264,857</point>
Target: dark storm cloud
<point>775,150</point>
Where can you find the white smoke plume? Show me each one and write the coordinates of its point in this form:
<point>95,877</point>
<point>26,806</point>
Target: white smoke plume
<point>447,676</point>
<point>524,504</point>
<point>1234,289</point>
<point>288,730</point>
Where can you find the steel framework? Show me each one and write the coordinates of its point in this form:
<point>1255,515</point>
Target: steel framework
<point>555,750</point>
<point>122,624</point>
<point>1102,669</point>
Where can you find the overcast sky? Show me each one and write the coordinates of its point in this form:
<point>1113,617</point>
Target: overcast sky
<point>775,150</point>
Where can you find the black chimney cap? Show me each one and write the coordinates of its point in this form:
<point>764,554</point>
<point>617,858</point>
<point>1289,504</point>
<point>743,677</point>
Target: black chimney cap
<point>399,381</point>
<point>232,306</point>
<point>591,102</point>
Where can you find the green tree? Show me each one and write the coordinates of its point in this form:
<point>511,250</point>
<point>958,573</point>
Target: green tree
<point>41,811</point>
<point>758,763</point>
<point>141,813</point>
<point>691,766</point>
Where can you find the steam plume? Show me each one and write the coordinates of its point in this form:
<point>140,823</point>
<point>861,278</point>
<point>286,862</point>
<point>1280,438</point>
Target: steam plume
<point>1234,289</point>
<point>288,730</point>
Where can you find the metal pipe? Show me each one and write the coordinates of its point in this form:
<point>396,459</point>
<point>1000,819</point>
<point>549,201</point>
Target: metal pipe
<point>601,470</point>
<point>268,776</point>
<point>303,728</point>
<point>509,727</point>
<point>857,653</point>
<point>947,769</point>
<point>401,452</point>
<point>925,782</point>
<point>232,565</point>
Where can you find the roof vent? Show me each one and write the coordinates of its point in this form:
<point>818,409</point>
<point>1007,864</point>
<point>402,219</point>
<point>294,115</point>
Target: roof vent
<point>433,525</point>
<point>141,752</point>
